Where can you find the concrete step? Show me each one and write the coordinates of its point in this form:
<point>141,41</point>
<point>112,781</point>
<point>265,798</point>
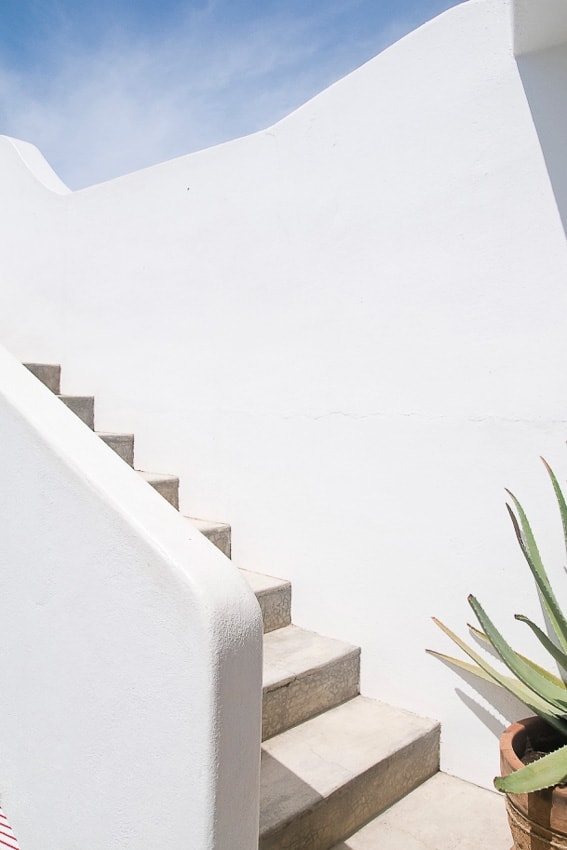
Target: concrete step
<point>166,485</point>
<point>218,533</point>
<point>322,780</point>
<point>444,813</point>
<point>304,675</point>
<point>82,406</point>
<point>274,598</point>
<point>48,373</point>
<point>122,444</point>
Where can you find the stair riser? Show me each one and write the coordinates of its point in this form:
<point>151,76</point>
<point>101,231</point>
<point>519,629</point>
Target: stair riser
<point>354,804</point>
<point>302,698</point>
<point>50,375</point>
<point>169,490</point>
<point>221,539</point>
<point>82,406</point>
<point>122,444</point>
<point>276,608</point>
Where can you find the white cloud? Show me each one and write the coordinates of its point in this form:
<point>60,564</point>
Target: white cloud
<point>130,101</point>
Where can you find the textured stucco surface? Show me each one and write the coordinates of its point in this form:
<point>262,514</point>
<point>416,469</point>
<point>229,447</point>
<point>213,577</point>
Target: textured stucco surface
<point>132,648</point>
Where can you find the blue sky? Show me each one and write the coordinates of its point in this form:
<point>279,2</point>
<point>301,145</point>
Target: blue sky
<point>106,87</point>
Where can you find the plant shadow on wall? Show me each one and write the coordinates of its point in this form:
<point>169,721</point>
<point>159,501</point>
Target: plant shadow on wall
<point>533,753</point>
<point>544,78</point>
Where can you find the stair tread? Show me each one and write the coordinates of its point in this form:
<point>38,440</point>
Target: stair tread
<point>443,812</point>
<point>156,477</point>
<point>262,584</point>
<point>292,652</point>
<point>219,533</point>
<point>258,582</point>
<point>307,764</point>
<point>205,525</point>
<point>165,484</point>
<point>116,434</point>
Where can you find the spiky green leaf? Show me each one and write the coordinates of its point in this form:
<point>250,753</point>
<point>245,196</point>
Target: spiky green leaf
<point>544,773</point>
<point>513,686</point>
<point>550,712</point>
<point>530,551</point>
<point>549,691</point>
<point>542,670</point>
<point>560,498</point>
<point>546,642</point>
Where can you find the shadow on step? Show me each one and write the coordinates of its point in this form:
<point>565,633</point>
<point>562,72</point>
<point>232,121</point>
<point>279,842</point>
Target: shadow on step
<point>285,800</point>
<point>293,814</point>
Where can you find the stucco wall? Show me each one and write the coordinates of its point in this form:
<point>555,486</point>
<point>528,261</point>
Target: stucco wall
<point>129,651</point>
<point>345,333</point>
<point>538,24</point>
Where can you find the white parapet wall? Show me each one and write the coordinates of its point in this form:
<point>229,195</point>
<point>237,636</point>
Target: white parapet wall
<point>346,334</point>
<point>538,25</point>
<point>129,651</point>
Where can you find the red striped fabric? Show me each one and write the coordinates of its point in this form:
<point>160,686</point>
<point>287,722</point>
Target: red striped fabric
<point>7,837</point>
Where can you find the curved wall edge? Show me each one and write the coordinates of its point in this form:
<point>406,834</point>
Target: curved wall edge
<point>122,633</point>
<point>37,165</point>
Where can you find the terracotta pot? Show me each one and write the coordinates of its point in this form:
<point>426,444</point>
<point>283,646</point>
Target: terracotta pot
<point>538,820</point>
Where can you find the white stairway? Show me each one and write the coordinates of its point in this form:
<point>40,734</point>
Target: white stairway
<point>339,771</point>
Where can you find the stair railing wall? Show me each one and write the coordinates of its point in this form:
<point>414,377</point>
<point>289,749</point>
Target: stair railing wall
<point>129,651</point>
<point>538,25</point>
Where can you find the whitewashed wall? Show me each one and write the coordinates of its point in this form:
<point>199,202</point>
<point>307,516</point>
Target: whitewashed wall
<point>345,333</point>
<point>129,651</point>
<point>538,25</point>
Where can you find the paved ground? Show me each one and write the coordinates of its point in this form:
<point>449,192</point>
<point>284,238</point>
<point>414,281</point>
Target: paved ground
<point>443,814</point>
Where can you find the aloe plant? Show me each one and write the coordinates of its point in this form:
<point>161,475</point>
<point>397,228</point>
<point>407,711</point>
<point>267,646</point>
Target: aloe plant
<point>542,691</point>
